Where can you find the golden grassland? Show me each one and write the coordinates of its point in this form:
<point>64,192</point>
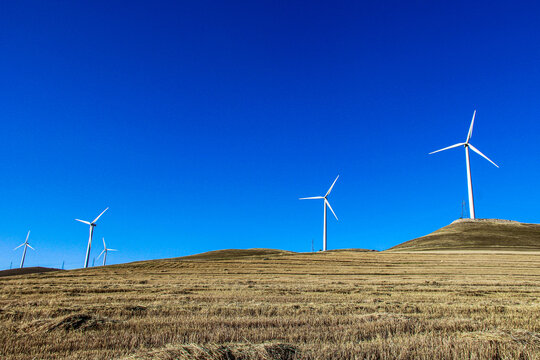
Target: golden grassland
<point>265,304</point>
<point>479,234</point>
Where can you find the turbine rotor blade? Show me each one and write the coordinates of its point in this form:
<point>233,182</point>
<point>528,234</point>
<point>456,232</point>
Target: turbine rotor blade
<point>27,236</point>
<point>96,219</point>
<point>104,246</point>
<point>484,156</point>
<point>30,247</point>
<point>84,222</point>
<point>471,127</point>
<point>329,190</point>
<point>19,246</point>
<point>313,197</point>
<point>446,148</point>
<point>327,203</point>
<point>112,250</point>
<point>101,253</point>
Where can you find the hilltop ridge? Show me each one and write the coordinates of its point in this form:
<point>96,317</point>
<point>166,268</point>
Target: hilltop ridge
<point>234,253</point>
<point>479,235</point>
<point>26,270</point>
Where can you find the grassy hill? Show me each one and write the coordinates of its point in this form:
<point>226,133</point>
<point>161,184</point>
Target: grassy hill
<point>27,270</point>
<point>479,234</point>
<point>234,253</point>
<point>263,304</point>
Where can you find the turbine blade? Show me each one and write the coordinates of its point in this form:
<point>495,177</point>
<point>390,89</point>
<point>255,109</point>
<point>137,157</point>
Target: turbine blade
<point>484,156</point>
<point>327,203</point>
<point>27,236</point>
<point>112,250</point>
<point>19,246</point>
<point>101,253</point>
<point>329,190</point>
<point>84,222</point>
<point>104,246</point>
<point>470,128</point>
<point>313,197</point>
<point>96,219</point>
<point>446,148</point>
<point>30,247</point>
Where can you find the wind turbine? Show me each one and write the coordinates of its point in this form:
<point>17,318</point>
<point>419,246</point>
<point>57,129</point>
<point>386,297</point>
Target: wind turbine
<point>104,252</point>
<point>92,225</point>
<point>26,245</point>
<point>468,145</point>
<point>325,204</point>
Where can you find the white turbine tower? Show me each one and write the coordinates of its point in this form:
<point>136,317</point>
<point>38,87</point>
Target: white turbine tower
<point>26,245</point>
<point>104,252</point>
<point>325,204</point>
<point>468,145</point>
<point>92,224</point>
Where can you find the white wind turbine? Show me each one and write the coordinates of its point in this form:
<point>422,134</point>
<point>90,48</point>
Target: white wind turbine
<point>104,252</point>
<point>26,245</point>
<point>92,224</point>
<point>325,204</point>
<point>467,145</point>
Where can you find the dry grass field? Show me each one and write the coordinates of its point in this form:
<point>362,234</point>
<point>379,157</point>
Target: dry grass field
<point>265,304</point>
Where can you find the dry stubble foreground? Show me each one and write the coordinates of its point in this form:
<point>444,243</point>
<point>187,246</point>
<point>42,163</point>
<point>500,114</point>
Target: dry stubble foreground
<point>278,305</point>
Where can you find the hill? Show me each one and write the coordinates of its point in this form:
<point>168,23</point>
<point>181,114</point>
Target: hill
<point>25,271</point>
<point>478,234</point>
<point>234,253</point>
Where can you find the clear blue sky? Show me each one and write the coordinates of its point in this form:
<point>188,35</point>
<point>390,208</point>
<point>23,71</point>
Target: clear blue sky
<point>201,123</point>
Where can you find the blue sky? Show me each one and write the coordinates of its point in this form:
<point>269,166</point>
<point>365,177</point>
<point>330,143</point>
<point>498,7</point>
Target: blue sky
<point>201,123</point>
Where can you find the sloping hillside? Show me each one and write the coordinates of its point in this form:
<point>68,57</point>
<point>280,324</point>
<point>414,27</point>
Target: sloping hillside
<point>234,253</point>
<point>27,270</point>
<point>272,305</point>
<point>479,234</point>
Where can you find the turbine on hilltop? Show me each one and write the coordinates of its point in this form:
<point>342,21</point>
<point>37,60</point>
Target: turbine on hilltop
<point>325,204</point>
<point>92,225</point>
<point>26,245</point>
<point>467,145</point>
<point>104,252</point>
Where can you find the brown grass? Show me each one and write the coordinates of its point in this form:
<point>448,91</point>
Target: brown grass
<point>479,234</point>
<point>279,305</point>
<point>26,270</point>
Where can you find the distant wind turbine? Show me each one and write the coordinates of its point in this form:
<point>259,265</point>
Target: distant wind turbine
<point>468,145</point>
<point>325,204</point>
<point>92,225</point>
<point>26,245</point>
<point>104,252</point>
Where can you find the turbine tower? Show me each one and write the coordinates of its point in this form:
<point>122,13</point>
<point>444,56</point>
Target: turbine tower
<point>468,145</point>
<point>325,204</point>
<point>104,252</point>
<point>26,245</point>
<point>92,225</point>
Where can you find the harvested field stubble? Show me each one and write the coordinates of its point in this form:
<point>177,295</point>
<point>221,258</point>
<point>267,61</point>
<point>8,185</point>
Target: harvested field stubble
<point>279,305</point>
